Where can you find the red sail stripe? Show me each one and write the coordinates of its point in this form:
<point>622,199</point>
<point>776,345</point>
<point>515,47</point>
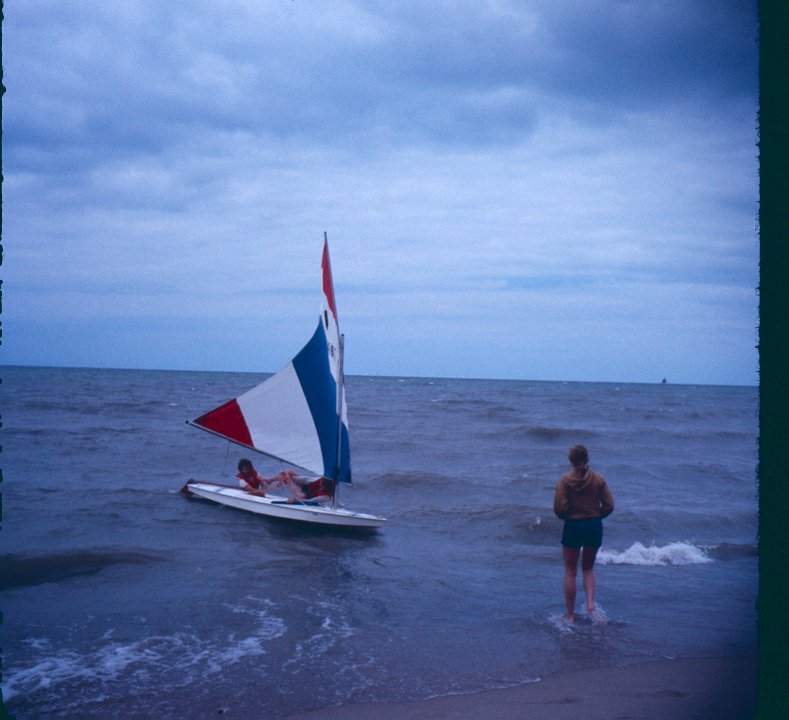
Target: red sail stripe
<point>227,420</point>
<point>328,284</point>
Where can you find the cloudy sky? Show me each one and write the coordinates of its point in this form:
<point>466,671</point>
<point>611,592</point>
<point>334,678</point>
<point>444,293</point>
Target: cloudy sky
<point>536,189</point>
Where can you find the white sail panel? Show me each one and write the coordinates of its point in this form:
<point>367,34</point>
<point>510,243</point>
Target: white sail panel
<point>280,422</point>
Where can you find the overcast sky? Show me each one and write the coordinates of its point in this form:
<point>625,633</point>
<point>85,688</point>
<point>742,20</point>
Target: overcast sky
<point>532,189</point>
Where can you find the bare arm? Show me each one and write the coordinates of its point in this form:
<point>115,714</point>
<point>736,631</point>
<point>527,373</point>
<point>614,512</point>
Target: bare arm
<point>606,500</point>
<point>561,500</point>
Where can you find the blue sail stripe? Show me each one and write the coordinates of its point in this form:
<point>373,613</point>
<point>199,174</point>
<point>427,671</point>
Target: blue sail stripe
<point>320,390</point>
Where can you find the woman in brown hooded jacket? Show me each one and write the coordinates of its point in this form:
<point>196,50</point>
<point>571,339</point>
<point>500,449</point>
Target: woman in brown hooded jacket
<point>582,500</point>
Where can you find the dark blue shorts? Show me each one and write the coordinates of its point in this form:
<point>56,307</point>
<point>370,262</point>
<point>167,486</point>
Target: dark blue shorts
<point>587,532</point>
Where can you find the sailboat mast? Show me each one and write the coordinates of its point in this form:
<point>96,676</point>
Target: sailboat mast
<point>340,399</point>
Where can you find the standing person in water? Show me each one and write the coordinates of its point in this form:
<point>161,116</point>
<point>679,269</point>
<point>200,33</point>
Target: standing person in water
<point>582,500</point>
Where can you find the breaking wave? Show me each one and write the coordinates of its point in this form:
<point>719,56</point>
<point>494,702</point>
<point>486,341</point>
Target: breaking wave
<point>678,553</point>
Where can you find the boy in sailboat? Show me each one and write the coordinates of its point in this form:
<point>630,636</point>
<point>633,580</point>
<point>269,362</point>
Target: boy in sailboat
<point>253,482</point>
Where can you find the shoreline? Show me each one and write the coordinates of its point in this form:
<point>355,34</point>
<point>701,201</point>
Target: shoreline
<point>719,688</point>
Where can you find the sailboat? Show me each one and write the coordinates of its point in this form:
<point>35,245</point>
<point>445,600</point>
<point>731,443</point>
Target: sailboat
<point>299,416</point>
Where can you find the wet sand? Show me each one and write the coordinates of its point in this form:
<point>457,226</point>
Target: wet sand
<point>698,688</point>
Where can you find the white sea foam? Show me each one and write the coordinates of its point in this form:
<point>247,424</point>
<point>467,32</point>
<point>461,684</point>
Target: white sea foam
<point>597,616</point>
<point>111,660</point>
<point>269,627</point>
<point>105,664</point>
<point>584,621</point>
<point>330,626</point>
<point>677,553</point>
<point>562,624</point>
<point>42,674</point>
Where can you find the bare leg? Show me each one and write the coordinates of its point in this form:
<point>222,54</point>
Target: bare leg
<point>587,568</point>
<point>570,556</point>
<point>294,483</point>
<point>295,490</point>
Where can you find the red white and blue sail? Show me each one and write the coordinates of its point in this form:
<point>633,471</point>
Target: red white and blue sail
<point>298,415</point>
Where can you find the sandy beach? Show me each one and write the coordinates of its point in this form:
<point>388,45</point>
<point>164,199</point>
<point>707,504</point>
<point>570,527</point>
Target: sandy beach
<point>698,688</point>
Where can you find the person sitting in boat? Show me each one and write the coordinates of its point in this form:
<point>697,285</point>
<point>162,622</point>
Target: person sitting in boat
<point>302,488</point>
<point>253,482</point>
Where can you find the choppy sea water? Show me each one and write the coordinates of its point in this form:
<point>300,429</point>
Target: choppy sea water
<point>121,598</point>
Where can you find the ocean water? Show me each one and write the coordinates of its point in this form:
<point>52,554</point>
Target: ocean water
<point>122,598</point>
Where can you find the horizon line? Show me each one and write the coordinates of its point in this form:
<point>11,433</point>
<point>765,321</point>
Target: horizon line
<point>662,381</point>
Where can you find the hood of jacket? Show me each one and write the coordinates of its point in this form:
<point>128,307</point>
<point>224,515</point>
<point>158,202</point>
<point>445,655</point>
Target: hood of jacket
<point>580,479</point>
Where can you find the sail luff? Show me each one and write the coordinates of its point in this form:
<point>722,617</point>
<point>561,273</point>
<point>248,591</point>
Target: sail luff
<point>337,354</point>
<point>335,348</point>
<point>328,289</point>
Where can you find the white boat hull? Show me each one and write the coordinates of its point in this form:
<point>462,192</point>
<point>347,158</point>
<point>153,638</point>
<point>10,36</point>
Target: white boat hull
<point>279,507</point>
